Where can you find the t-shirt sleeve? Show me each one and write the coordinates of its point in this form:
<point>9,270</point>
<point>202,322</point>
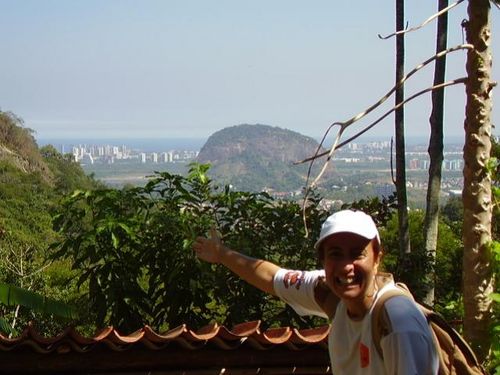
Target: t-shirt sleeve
<point>409,348</point>
<point>296,288</point>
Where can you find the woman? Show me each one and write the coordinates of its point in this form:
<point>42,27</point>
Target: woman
<point>344,292</point>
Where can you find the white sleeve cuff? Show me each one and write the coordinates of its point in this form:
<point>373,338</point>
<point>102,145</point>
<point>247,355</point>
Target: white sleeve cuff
<point>296,288</point>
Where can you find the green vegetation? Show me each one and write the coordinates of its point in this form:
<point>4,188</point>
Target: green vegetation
<point>132,247</point>
<point>448,268</point>
<point>124,255</point>
<point>31,185</point>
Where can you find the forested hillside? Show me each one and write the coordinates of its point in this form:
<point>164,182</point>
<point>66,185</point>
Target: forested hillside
<point>32,183</point>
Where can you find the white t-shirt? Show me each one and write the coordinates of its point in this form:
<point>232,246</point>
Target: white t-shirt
<point>408,348</point>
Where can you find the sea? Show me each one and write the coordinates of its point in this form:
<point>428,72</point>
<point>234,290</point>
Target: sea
<point>165,144</point>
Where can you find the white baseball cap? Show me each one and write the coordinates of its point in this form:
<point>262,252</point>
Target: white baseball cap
<point>349,221</point>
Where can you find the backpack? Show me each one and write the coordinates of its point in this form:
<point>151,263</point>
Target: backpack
<point>455,355</point>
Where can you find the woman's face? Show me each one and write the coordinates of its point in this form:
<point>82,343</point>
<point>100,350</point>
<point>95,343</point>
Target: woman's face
<point>350,263</point>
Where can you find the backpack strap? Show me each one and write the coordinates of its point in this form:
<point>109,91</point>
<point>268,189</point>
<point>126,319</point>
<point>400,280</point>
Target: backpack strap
<point>381,324</point>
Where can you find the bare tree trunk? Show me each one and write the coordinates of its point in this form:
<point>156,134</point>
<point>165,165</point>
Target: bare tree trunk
<point>404,228</point>
<point>477,271</point>
<point>435,153</point>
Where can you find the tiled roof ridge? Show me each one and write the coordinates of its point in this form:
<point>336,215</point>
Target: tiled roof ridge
<point>247,333</point>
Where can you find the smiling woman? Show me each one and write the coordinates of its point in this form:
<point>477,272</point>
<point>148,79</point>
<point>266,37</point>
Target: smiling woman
<point>351,263</point>
<point>345,291</point>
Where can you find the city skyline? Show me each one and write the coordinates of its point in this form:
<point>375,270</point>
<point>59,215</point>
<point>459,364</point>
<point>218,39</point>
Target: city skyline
<point>183,152</point>
<point>119,164</point>
<point>186,69</point>
<point>162,144</point>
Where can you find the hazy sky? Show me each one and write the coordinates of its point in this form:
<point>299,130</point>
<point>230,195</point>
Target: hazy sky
<point>187,68</point>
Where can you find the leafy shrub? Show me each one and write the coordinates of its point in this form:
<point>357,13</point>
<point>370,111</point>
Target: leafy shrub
<point>133,249</point>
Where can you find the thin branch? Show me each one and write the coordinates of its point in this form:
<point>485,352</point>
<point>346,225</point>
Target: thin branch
<point>320,145</point>
<point>384,98</point>
<point>14,320</point>
<point>330,153</point>
<point>436,87</point>
<point>309,187</point>
<point>357,135</point>
<point>344,125</point>
<point>11,266</point>
<point>423,24</point>
<point>41,269</point>
<point>341,130</point>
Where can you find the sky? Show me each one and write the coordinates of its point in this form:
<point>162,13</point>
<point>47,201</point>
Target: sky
<point>188,68</point>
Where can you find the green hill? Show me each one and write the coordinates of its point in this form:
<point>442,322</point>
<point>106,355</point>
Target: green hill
<point>32,181</point>
<point>19,148</point>
<point>258,157</point>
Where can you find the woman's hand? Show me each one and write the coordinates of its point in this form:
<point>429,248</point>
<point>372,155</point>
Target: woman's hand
<point>209,249</point>
<point>258,272</point>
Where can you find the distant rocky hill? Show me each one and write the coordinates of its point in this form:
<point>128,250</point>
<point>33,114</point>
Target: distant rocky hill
<point>257,157</point>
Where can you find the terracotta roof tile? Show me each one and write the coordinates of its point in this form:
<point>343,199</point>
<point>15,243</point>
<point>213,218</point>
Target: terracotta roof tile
<point>181,347</point>
<point>220,336</point>
<point>310,335</point>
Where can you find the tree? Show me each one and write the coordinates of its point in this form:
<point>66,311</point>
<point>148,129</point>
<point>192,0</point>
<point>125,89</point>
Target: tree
<point>478,278</point>
<point>435,151</point>
<point>404,242</point>
<point>449,250</point>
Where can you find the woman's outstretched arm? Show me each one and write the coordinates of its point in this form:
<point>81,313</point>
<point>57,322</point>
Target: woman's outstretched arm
<point>257,272</point>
